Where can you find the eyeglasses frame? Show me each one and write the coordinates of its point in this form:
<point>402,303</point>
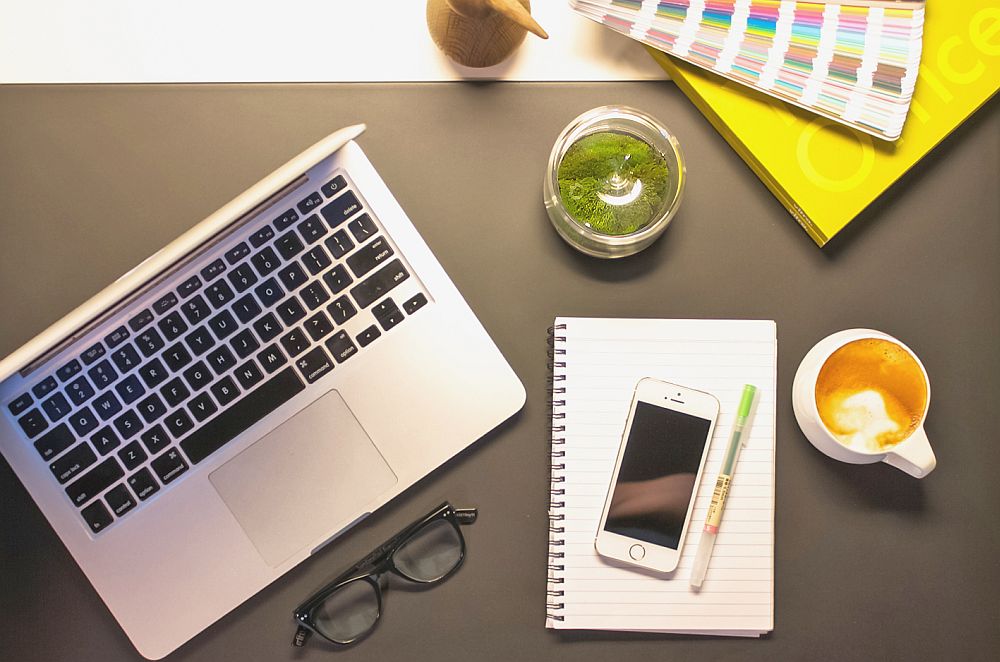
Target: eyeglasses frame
<point>376,564</point>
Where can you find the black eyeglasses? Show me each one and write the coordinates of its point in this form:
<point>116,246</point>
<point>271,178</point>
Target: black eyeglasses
<point>427,552</point>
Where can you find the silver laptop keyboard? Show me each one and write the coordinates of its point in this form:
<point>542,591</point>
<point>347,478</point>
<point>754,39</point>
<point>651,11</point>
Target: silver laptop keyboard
<point>186,372</point>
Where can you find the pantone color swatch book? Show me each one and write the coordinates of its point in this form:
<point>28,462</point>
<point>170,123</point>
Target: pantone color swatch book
<point>853,61</point>
<point>824,173</point>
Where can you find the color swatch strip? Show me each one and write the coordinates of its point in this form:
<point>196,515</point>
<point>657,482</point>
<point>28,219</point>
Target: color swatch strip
<point>853,62</point>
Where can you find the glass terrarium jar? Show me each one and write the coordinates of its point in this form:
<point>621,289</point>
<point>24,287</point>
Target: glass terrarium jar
<point>614,181</point>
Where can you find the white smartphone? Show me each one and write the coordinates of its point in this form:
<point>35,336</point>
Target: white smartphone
<point>662,454</point>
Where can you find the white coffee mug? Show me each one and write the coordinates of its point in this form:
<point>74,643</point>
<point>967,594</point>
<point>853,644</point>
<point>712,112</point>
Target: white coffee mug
<point>912,455</point>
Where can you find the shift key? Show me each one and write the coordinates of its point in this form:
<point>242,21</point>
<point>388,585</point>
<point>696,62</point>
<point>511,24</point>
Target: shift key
<point>380,282</point>
<point>95,481</point>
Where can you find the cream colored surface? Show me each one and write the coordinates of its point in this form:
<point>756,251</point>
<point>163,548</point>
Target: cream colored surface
<point>302,40</point>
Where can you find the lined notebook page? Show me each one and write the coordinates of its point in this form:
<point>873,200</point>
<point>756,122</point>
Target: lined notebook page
<point>603,359</point>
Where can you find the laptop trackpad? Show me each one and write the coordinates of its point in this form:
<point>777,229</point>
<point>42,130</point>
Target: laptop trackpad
<point>314,471</point>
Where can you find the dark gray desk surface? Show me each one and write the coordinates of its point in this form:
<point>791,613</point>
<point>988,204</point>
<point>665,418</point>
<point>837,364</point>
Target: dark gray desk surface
<point>870,564</point>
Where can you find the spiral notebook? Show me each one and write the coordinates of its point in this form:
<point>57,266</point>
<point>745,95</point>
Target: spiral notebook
<point>596,365</point>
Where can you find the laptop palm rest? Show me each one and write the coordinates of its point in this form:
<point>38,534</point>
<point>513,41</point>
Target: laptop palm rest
<point>314,471</point>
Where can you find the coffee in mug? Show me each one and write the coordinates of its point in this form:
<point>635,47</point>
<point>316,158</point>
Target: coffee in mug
<point>871,394</point>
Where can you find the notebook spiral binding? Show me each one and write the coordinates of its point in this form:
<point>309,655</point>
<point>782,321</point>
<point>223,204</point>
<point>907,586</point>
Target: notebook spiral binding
<point>557,505</point>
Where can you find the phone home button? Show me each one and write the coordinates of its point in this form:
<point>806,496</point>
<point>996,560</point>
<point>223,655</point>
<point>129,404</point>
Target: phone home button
<point>637,552</point>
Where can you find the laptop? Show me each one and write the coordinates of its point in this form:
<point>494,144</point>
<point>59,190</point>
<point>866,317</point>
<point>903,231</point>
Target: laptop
<point>248,393</point>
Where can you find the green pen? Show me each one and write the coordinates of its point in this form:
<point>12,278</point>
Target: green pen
<point>737,439</point>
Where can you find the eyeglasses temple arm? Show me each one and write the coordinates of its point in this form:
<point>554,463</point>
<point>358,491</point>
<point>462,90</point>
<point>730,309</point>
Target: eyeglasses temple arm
<point>302,635</point>
<point>466,515</point>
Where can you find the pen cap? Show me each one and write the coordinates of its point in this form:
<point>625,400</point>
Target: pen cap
<point>746,402</point>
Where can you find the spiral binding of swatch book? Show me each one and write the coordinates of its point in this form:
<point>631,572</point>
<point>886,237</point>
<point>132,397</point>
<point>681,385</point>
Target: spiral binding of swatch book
<point>557,493</point>
<point>852,61</point>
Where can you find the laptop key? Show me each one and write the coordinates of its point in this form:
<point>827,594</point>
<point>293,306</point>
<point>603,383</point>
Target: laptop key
<point>219,293</point>
<point>151,408</point>
<point>116,337</point>
<point>155,439</point>
<point>289,245</point>
<point>342,310</point>
<point>140,320</point>
<point>271,358</point>
<point>312,229</point>
<point>223,325</point>
<point>69,370</point>
<point>414,303</point>
<point>79,390</point>
<point>265,261</point>
<point>341,209</point>
<point>105,440</point>
<point>337,279</point>
<point>195,310</point>
<point>149,342</point>
<point>290,311</point>
<point>334,186</point>
<point>83,421</point>
<point>169,466</point>
<point>242,414</point>
<point>213,270</point>
<point>292,276</point>
<point>92,353</point>
<point>244,343</point>
<point>315,295</point>
<point>56,407</point>
<point>368,336</point>
<point>172,325</point>
<point>318,326</point>
<point>246,308</point>
<point>200,341</point>
<point>189,287</point>
<point>120,500</point>
<point>286,220</point>
<point>202,406</point>
<point>175,392</point>
<point>72,463</point>
<point>126,358</point>
<point>165,303</point>
<point>179,423</point>
<point>198,376</point>
<point>176,357</point>
<point>95,481</point>
<point>132,456</point>
<point>225,391</point>
<point>249,375</point>
<point>262,236</point>
<point>130,389</point>
<point>143,484</point>
<point>44,387</point>
<point>221,359</point>
<point>390,319</point>
<point>369,256</point>
<point>372,288</point>
<point>20,404</point>
<point>237,252</point>
<point>97,517</point>
<point>242,277</point>
<point>362,228</point>
<point>314,364</point>
<point>294,342</point>
<point>128,424</point>
<point>339,244</point>
<point>341,346</point>
<point>269,292</point>
<point>107,405</point>
<point>316,260</point>
<point>310,202</point>
<point>267,327</point>
<point>33,423</point>
<point>54,441</point>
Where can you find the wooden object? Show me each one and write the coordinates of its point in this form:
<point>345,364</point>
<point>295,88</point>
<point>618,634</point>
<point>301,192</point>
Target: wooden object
<point>480,33</point>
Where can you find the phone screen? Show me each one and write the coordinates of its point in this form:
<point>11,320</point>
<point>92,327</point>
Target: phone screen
<point>657,475</point>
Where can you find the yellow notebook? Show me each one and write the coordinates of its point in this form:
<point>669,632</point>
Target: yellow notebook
<point>825,173</point>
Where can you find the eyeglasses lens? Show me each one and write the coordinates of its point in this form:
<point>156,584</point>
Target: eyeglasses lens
<point>431,553</point>
<point>348,612</point>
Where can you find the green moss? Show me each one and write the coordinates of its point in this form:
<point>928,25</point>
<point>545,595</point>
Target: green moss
<point>594,164</point>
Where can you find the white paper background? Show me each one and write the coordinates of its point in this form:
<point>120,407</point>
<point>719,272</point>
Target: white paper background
<point>72,41</point>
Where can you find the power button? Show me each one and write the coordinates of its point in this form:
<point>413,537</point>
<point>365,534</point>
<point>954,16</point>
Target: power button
<point>637,552</point>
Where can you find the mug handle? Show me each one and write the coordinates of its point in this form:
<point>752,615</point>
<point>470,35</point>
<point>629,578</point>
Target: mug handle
<point>914,456</point>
